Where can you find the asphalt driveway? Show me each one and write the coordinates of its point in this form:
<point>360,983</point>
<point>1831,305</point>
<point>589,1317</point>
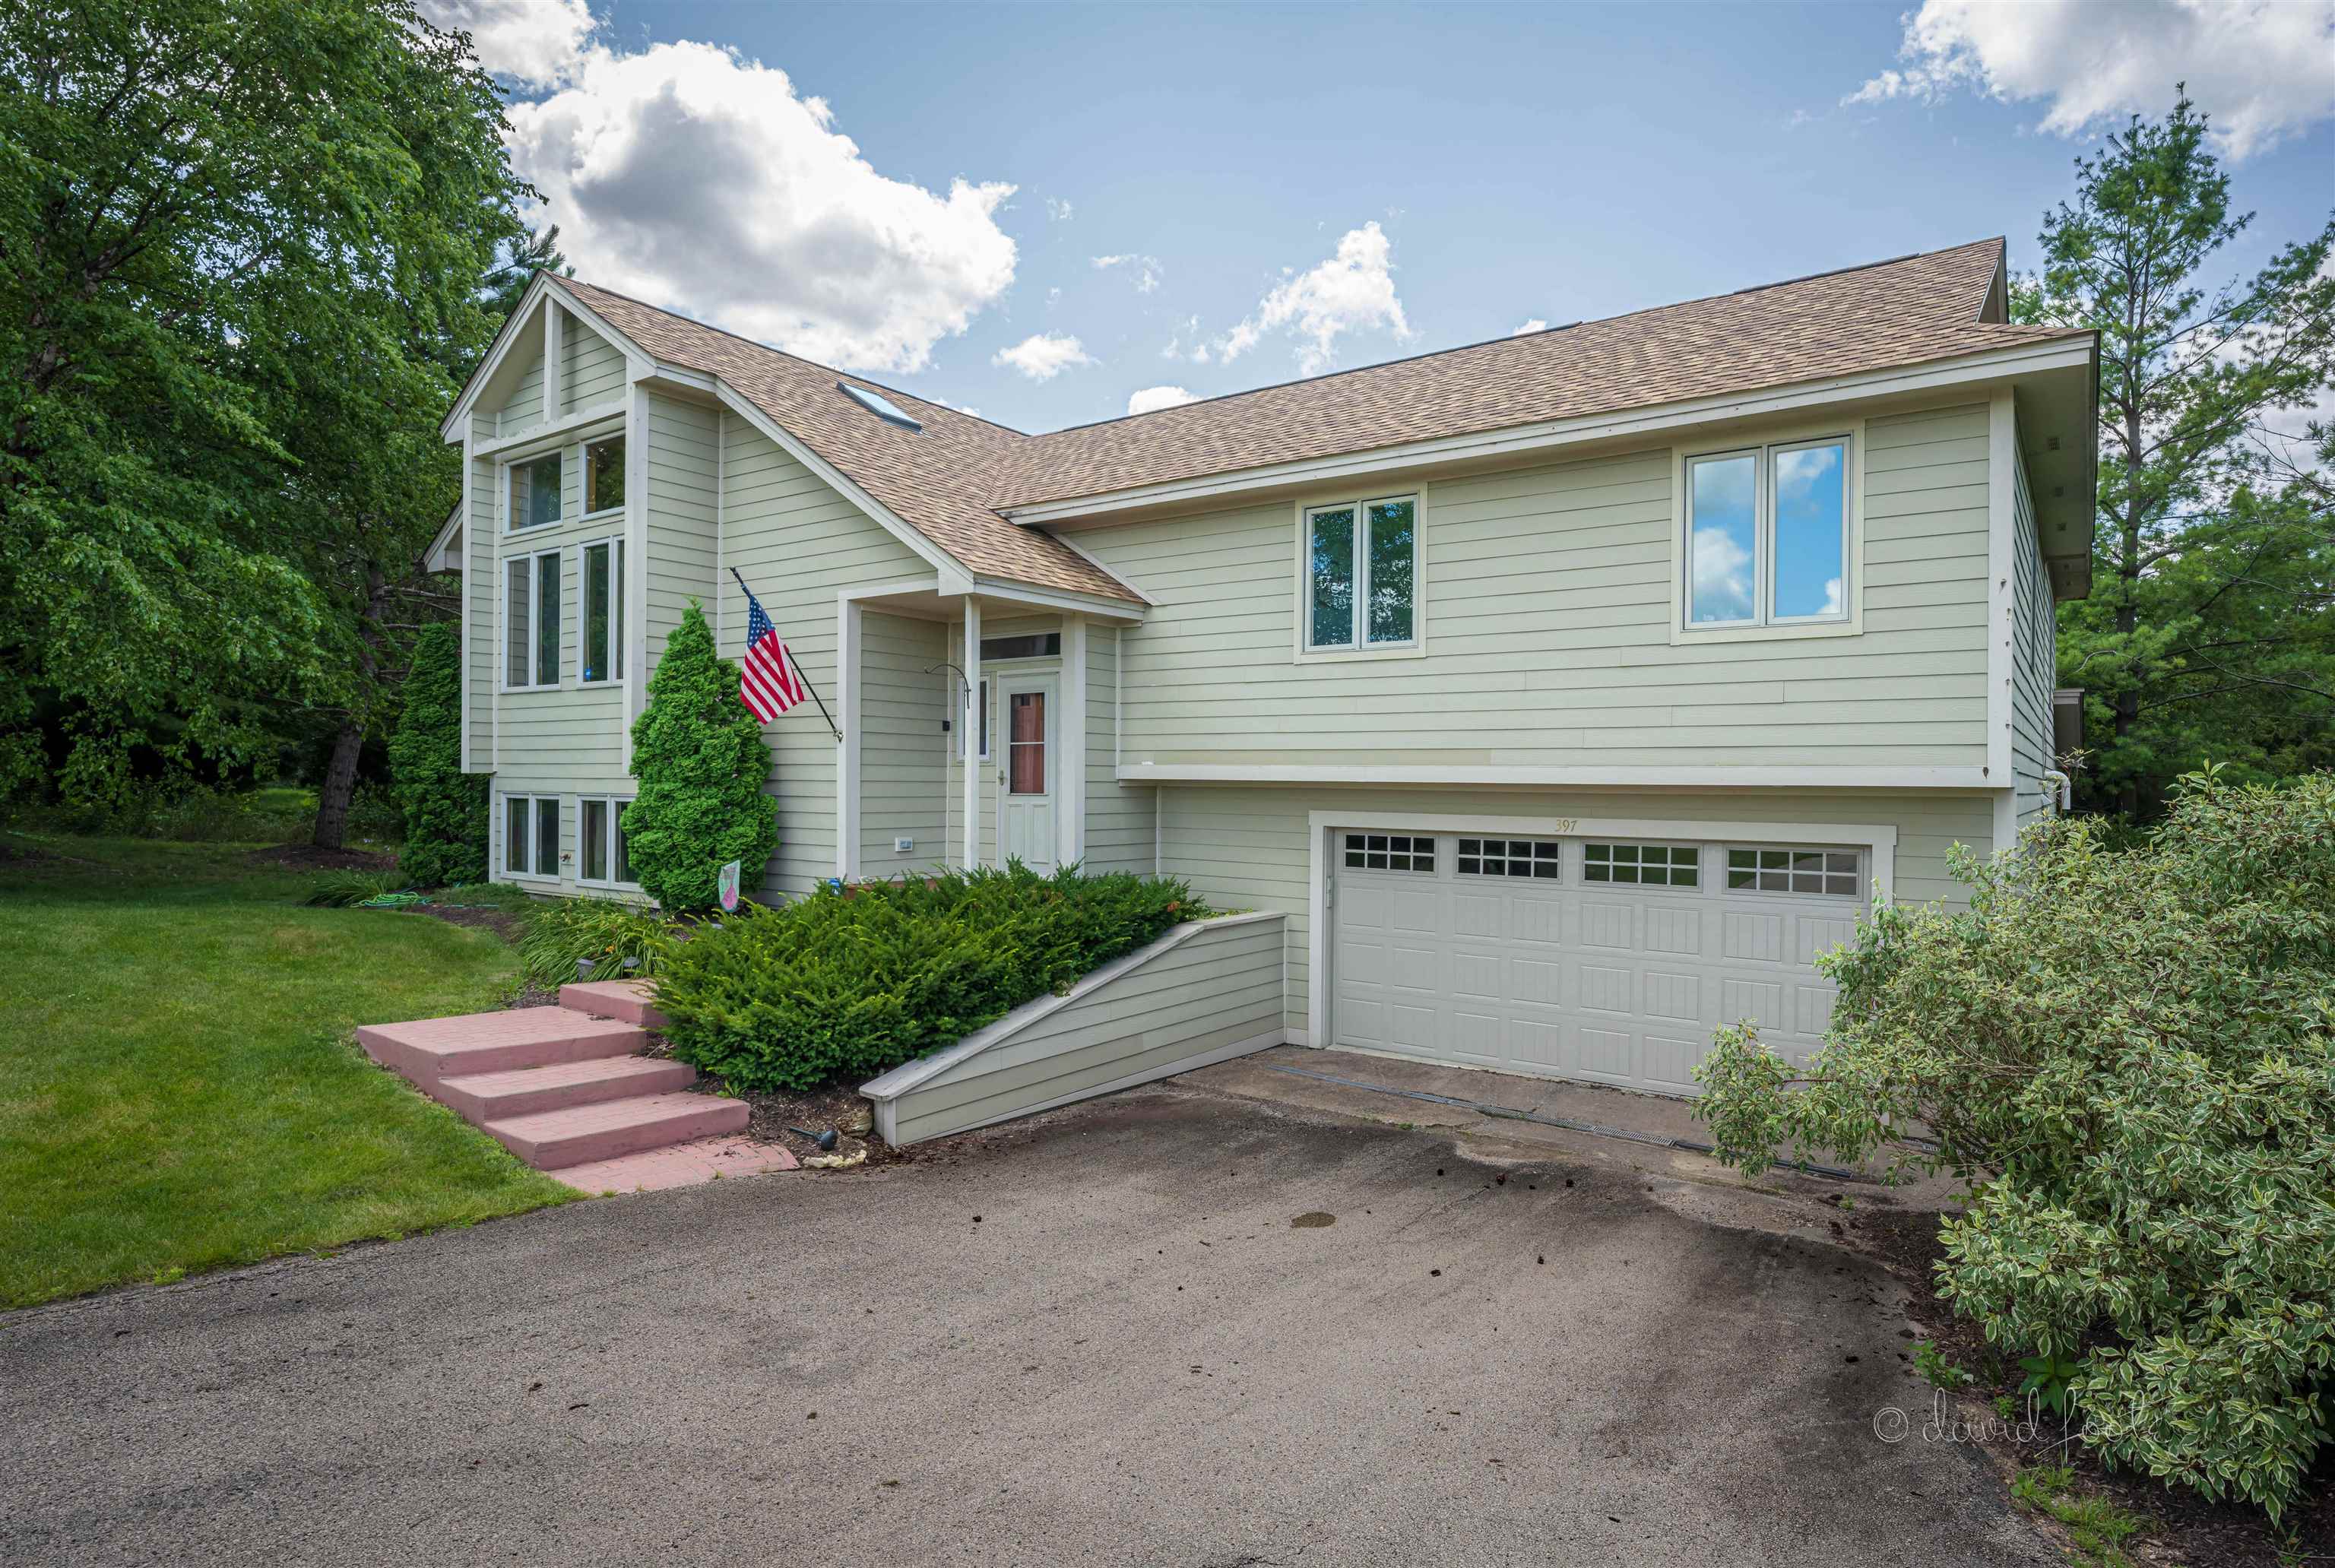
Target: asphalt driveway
<point>1097,1338</point>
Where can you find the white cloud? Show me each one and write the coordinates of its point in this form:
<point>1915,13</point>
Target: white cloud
<point>1157,397</point>
<point>1197,353</point>
<point>699,180</point>
<point>1722,577</point>
<point>1043,356</point>
<point>1058,209</point>
<point>536,42</point>
<point>1349,292</point>
<point>1535,324</point>
<point>1147,269</point>
<point>2260,68</point>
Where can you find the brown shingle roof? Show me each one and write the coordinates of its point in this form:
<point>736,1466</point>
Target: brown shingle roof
<point>927,478</point>
<point>950,481</point>
<point>1890,314</point>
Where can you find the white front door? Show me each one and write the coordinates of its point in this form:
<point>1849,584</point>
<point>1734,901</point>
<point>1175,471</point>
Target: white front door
<point>1026,769</point>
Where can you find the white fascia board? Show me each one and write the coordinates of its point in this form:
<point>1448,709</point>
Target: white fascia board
<point>1057,599</point>
<point>436,558</point>
<point>954,575</point>
<point>1993,365</point>
<point>1879,838</point>
<point>559,432</point>
<point>638,360</point>
<point>1576,778</point>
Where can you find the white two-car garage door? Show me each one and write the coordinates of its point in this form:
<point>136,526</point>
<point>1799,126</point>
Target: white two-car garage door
<point>1608,960</point>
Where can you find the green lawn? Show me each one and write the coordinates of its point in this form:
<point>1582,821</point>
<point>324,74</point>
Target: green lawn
<point>179,1089</point>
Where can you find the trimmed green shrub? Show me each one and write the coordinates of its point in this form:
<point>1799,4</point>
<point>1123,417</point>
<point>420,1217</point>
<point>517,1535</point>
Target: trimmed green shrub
<point>622,941</point>
<point>698,753</point>
<point>2131,1056</point>
<point>848,984</point>
<point>445,807</point>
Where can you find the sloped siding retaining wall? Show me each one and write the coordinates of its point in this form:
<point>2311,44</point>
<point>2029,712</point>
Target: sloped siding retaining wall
<point>1205,991</point>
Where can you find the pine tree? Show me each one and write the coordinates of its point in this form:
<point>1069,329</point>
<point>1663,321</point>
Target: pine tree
<point>445,808</point>
<point>698,753</point>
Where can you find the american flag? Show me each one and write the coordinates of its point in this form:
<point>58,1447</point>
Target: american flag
<point>768,681</point>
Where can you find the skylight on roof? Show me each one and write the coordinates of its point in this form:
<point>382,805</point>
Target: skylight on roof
<point>877,403</point>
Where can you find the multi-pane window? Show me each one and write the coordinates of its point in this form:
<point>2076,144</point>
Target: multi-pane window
<point>1767,536</point>
<point>603,475</point>
<point>1361,575</point>
<point>535,492</point>
<point>1643,865</point>
<point>531,620</point>
<point>531,835</point>
<point>601,655</point>
<point>601,841</point>
<point>1390,852</point>
<point>1541,857</point>
<point>1760,870</point>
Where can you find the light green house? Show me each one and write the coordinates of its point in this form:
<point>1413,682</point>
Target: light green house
<point>1566,693</point>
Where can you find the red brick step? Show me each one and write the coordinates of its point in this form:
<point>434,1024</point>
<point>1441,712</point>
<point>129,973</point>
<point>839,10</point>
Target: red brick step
<point>433,1048</point>
<point>552,1138</point>
<point>486,1097</point>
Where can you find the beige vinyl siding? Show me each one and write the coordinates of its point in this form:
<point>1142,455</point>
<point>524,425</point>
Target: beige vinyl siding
<point>1202,992</point>
<point>682,543</point>
<point>1546,605</point>
<point>1246,846</point>
<point>798,543</point>
<point>482,590</point>
<point>2034,661</point>
<point>591,369</point>
<point>903,751</point>
<point>1119,835</point>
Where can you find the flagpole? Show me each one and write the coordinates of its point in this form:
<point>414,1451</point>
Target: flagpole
<point>798,670</point>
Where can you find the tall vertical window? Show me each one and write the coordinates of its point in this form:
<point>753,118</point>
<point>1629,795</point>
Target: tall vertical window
<point>603,855</point>
<point>535,492</point>
<point>601,656</point>
<point>1767,536</point>
<point>531,595</point>
<point>531,835</point>
<point>1361,575</point>
<point>603,475</point>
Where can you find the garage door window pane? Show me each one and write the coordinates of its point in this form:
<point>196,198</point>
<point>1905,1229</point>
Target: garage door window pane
<point>1390,852</point>
<point>1539,858</point>
<point>1642,865</point>
<point>1834,873</point>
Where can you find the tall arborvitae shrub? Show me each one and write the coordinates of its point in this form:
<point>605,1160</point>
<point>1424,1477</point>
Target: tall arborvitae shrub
<point>698,753</point>
<point>445,808</point>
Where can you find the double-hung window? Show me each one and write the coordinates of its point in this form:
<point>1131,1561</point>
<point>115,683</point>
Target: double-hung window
<point>1768,537</point>
<point>531,835</point>
<point>600,651</point>
<point>531,620</point>
<point>605,856</point>
<point>1362,575</point>
<point>535,492</point>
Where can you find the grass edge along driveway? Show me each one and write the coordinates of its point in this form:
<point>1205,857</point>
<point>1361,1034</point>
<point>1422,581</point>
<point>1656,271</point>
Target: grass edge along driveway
<point>180,1085</point>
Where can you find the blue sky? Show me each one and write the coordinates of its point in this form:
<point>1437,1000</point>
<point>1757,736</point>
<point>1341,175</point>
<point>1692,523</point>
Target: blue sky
<point>1518,163</point>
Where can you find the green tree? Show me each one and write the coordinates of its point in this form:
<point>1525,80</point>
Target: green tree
<point>445,807</point>
<point>2205,631</point>
<point>238,242</point>
<point>698,753</point>
<point>2129,1054</point>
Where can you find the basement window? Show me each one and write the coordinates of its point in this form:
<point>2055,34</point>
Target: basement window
<point>877,403</point>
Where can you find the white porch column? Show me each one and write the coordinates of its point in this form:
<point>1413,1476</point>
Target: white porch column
<point>1071,767</point>
<point>848,629</point>
<point>972,762</point>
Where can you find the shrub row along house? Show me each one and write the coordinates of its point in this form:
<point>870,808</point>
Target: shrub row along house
<point>1567,693</point>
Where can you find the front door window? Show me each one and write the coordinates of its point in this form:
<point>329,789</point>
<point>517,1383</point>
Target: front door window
<point>1026,745</point>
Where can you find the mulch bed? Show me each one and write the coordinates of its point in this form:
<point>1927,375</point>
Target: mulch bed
<point>2182,1527</point>
<point>510,927</point>
<point>308,858</point>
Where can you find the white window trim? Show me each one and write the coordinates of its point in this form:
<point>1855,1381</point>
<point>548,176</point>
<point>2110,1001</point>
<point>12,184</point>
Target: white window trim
<point>534,609</point>
<point>584,474</point>
<point>1879,841</point>
<point>615,805</point>
<point>1301,650</point>
<point>512,528</point>
<point>502,832</point>
<point>617,627</point>
<point>1766,444</point>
